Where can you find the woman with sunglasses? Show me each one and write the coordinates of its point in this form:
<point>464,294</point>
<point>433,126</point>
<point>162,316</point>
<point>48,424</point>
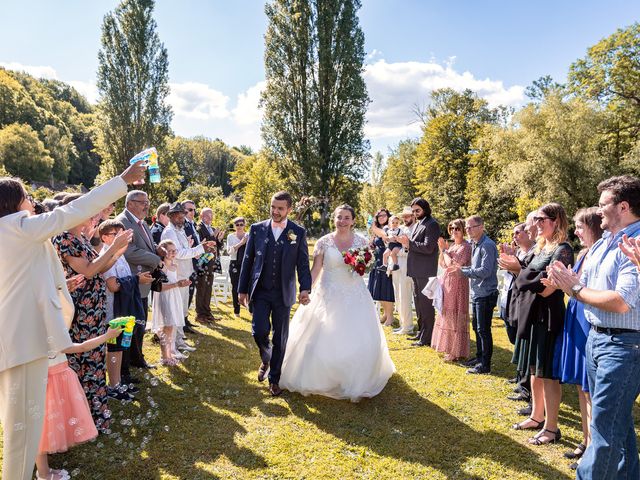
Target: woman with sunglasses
<point>236,242</point>
<point>451,330</point>
<point>541,312</point>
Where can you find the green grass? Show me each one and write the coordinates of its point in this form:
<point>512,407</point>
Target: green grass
<point>210,419</point>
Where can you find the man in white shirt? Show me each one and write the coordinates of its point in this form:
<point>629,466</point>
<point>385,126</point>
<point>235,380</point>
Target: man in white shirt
<point>402,284</point>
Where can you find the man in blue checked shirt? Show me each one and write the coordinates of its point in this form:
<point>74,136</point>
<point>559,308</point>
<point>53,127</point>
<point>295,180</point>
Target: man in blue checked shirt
<point>610,290</point>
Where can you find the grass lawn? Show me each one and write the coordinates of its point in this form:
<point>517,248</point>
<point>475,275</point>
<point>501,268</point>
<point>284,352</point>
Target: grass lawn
<point>210,418</point>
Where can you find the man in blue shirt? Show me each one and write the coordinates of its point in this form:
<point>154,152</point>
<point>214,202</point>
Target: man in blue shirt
<point>483,285</point>
<point>610,290</point>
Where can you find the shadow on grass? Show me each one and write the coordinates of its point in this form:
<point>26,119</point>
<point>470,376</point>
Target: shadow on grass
<point>404,425</point>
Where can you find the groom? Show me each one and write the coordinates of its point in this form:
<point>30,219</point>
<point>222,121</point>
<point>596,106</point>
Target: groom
<point>275,250</point>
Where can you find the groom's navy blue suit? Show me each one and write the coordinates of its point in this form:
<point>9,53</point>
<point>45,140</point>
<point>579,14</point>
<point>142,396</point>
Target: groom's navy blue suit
<point>268,276</point>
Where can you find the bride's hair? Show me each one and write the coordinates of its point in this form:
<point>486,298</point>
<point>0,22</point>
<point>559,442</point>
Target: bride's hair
<point>344,206</point>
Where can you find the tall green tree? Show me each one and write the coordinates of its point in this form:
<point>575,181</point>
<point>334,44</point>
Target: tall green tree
<point>133,81</point>
<point>452,123</point>
<point>315,98</point>
<point>400,175</point>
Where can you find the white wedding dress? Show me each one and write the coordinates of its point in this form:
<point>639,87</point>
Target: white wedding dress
<point>336,345</point>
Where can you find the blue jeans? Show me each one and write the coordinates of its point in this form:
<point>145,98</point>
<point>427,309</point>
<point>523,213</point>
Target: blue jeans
<point>482,314</point>
<point>613,368</point>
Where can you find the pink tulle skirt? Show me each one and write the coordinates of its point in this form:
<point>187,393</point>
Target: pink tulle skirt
<point>67,418</point>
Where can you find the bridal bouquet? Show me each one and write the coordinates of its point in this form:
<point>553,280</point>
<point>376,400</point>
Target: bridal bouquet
<point>359,259</point>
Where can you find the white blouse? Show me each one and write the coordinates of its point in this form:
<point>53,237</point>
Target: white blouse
<point>232,241</point>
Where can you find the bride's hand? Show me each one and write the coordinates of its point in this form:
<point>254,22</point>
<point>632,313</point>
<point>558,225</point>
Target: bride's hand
<point>303,297</point>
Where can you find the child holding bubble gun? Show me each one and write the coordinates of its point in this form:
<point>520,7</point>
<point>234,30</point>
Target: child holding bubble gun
<point>67,417</point>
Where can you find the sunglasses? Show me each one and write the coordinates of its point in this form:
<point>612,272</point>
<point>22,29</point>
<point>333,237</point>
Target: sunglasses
<point>542,219</point>
<point>239,224</point>
<point>455,229</point>
<point>190,209</point>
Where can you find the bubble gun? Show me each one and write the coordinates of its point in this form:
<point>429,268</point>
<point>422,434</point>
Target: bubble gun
<point>150,158</point>
<point>127,323</point>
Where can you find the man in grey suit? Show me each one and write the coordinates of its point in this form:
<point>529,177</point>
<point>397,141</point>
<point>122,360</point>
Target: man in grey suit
<point>143,256</point>
<point>422,263</point>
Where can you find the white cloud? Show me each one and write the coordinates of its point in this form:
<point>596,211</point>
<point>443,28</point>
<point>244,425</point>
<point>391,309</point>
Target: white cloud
<point>38,71</point>
<point>247,111</point>
<point>198,100</point>
<point>88,89</point>
<point>396,88</point>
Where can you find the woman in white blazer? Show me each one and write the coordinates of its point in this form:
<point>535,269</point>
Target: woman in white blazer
<point>34,303</point>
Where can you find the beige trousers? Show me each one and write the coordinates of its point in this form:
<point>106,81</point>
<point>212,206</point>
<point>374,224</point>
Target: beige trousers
<point>403,292</point>
<point>22,394</point>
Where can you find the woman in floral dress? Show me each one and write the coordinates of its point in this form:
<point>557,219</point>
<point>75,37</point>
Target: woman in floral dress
<point>90,302</point>
<point>451,330</point>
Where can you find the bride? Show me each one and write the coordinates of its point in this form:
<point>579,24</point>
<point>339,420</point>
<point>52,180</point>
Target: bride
<point>336,346</point>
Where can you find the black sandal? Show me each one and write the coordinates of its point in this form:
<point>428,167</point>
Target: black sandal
<point>518,426</point>
<point>536,440</point>
<point>572,455</point>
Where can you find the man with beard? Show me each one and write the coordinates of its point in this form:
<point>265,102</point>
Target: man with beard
<point>422,263</point>
<point>207,271</point>
<point>402,283</point>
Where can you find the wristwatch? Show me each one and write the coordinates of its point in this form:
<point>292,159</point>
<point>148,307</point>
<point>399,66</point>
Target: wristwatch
<point>576,289</point>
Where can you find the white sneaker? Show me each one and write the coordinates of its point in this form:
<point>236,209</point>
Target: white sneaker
<point>401,331</point>
<point>186,347</point>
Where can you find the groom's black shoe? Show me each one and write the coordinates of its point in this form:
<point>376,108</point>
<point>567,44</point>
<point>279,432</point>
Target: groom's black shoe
<point>414,337</point>
<point>274,389</point>
<point>262,372</point>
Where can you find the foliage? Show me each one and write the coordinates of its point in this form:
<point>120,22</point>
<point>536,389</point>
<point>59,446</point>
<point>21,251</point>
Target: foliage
<point>452,123</point>
<point>372,195</point>
<point>315,97</point>
<point>203,161</point>
<point>23,154</point>
<point>133,81</point>
<point>255,179</point>
<point>399,176</point>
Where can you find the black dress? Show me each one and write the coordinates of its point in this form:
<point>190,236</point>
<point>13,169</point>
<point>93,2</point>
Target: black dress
<point>380,285</point>
<point>540,319</point>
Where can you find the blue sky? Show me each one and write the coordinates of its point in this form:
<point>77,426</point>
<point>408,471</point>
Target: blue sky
<point>215,50</point>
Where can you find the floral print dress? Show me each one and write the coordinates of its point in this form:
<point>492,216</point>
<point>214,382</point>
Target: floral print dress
<point>90,320</point>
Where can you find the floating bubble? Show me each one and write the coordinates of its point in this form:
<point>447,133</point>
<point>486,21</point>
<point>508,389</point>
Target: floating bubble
<point>18,427</point>
<point>106,414</point>
<point>73,421</point>
<point>166,428</point>
<point>78,431</point>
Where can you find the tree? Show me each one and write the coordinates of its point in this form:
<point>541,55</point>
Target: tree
<point>255,180</point>
<point>315,98</point>
<point>399,176</point>
<point>372,195</point>
<point>453,121</point>
<point>23,154</point>
<point>61,149</point>
<point>133,81</point>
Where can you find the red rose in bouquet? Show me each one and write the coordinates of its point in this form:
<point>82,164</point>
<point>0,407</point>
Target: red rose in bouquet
<point>359,259</point>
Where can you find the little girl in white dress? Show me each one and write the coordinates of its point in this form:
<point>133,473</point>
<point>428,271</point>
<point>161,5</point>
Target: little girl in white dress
<point>167,307</point>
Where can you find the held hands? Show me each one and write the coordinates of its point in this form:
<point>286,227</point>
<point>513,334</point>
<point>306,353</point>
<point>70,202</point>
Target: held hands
<point>303,297</point>
<point>184,282</point>
<point>209,246</point>
<point>631,248</point>
<point>562,277</point>
<point>243,299</point>
<point>134,173</point>
<point>403,239</point>
<point>75,282</point>
<point>145,278</point>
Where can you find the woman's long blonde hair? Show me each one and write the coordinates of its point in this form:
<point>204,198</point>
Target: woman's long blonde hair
<point>556,212</point>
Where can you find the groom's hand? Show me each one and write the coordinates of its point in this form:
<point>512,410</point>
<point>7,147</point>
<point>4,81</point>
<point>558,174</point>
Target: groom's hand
<point>303,297</point>
<point>243,299</point>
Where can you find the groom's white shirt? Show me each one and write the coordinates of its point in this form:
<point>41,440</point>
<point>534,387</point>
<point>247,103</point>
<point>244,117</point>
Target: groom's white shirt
<point>277,231</point>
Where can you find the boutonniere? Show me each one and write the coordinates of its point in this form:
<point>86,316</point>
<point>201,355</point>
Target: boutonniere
<point>292,237</point>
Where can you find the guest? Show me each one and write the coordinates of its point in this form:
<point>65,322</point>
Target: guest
<point>90,302</point>
<point>541,311</point>
<point>484,291</point>
<point>28,258</point>
<point>67,417</point>
<point>175,232</point>
<point>207,270</point>
<point>609,288</point>
<point>380,285</point>
<point>570,354</point>
<point>422,263</point>
<point>192,233</point>
<point>451,331</point>
<point>160,222</point>
<point>236,244</point>
<point>403,284</point>
<point>167,314</point>
<point>143,256</point>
